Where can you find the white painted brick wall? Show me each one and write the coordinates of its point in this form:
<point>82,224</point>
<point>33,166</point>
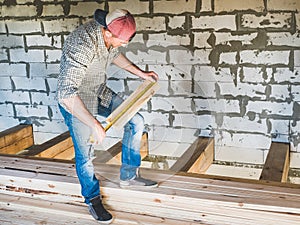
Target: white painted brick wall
<point>232,5</point>
<point>177,22</point>
<point>286,75</point>
<point>43,70</point>
<point>271,108</point>
<point>33,84</point>
<point>179,104</point>
<point>18,11</point>
<point>243,89</point>
<point>283,5</point>
<point>157,23</point>
<point>134,6</point>
<point>59,26</point>
<point>38,98</point>
<point>15,96</point>
<point>214,105</point>
<point>210,74</point>
<point>172,6</point>
<point>11,41</point>
<point>280,92</point>
<point>297,58</point>
<point>257,75</point>
<point>172,72</point>
<point>85,9</point>
<point>5,83</point>
<point>166,40</point>
<point>295,92</point>
<point>228,58</point>
<point>284,38</point>
<point>206,5</point>
<point>6,110</point>
<point>53,56</point>
<point>53,10</point>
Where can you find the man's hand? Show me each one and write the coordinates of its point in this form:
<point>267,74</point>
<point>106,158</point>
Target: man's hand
<point>151,75</point>
<point>97,134</point>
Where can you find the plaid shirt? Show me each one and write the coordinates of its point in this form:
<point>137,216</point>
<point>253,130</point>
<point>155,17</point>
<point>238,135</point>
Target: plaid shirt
<point>83,67</point>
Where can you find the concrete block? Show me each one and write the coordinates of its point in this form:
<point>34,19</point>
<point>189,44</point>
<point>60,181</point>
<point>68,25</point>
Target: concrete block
<point>201,56</point>
<point>85,9</point>
<point>149,57</point>
<point>54,126</point>
<point>226,38</point>
<point>178,104</point>
<point>184,120</point>
<point>44,70</point>
<point>242,140</point>
<point>18,11</point>
<point>186,57</point>
<point>282,75</point>
<point>284,39</point>
<point>257,75</point>
<point>157,118</point>
<point>60,26</point>
<point>177,22</point>
<point>244,124</point>
<point>279,127</point>
<point>233,5</point>
<point>51,84</point>
<point>295,159</point>
<point>6,110</point>
<point>297,58</point>
<point>171,149</point>
<point>11,41</point>
<point>283,5</point>
<point>7,122</point>
<point>53,10</point>
<point>23,27</point>
<point>172,72</point>
<point>270,108</point>
<point>200,39</point>
<point>217,22</point>
<point>295,92</point>
<point>38,98</point>
<point>281,92</point>
<point>54,112</point>
<point>19,55</point>
<point>2,28</point>
<point>211,74</point>
<point>115,72</point>
<point>32,84</point>
<point>29,111</point>
<point>5,83</point>
<point>134,6</point>
<point>116,85</point>
<point>12,70</point>
<point>205,89</point>
<point>206,6</point>
<point>229,58</point>
<point>3,55</point>
<point>170,134</point>
<point>214,105</point>
<point>280,21</point>
<point>53,56</point>
<point>243,89</point>
<point>15,96</point>
<point>265,57</point>
<point>42,137</point>
<point>174,6</point>
<point>157,23</point>
<point>165,40</point>
<point>38,40</point>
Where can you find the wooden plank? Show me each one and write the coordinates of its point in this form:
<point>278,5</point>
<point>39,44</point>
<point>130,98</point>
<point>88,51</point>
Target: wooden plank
<point>176,199</point>
<point>276,167</point>
<point>52,147</point>
<point>15,139</point>
<point>205,159</point>
<point>68,154</point>
<point>197,157</point>
<point>144,150</point>
<point>121,115</point>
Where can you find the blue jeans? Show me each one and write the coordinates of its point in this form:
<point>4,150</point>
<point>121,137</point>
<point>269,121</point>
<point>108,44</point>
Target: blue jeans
<point>84,152</point>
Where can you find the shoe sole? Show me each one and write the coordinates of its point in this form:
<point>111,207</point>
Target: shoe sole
<point>106,222</point>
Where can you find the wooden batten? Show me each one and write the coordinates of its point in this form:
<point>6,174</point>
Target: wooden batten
<point>197,158</point>
<point>59,147</point>
<point>277,164</point>
<point>15,139</point>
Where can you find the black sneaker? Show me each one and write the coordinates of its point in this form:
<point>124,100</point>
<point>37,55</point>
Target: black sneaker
<point>138,181</point>
<point>97,210</point>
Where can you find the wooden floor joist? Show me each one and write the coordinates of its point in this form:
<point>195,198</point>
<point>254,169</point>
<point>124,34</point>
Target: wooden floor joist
<point>15,139</point>
<point>277,164</point>
<point>58,147</point>
<point>197,158</point>
<point>183,197</point>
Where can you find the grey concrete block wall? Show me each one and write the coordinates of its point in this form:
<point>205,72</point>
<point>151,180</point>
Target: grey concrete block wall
<point>228,69</point>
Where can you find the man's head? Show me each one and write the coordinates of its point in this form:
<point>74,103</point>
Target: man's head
<point>120,23</point>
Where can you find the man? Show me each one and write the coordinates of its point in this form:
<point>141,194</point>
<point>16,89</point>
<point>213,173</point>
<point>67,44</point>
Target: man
<point>82,94</point>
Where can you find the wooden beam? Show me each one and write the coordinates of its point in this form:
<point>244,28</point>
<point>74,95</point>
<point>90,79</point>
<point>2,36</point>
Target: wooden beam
<point>277,164</point>
<point>114,154</point>
<point>53,147</point>
<point>197,158</point>
<point>188,198</point>
<point>15,139</point>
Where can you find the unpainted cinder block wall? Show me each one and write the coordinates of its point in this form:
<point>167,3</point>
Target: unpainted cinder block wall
<point>228,69</point>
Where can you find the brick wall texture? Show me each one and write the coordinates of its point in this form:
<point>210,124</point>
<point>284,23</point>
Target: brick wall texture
<point>228,69</point>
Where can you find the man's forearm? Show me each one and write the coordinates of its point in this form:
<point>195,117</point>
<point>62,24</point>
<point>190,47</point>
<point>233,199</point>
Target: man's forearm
<point>78,109</point>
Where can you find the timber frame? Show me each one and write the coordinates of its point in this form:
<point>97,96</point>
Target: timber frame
<point>29,173</point>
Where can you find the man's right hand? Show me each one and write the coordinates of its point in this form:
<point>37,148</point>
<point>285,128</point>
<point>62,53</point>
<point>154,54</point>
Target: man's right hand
<point>97,133</point>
